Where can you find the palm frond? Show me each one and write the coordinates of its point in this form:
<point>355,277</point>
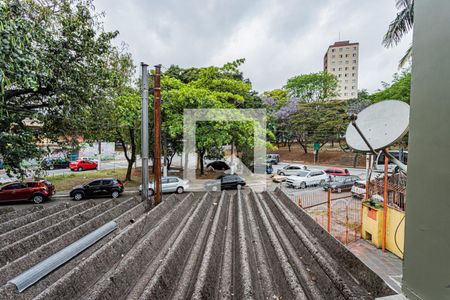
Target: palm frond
<point>406,58</point>
<point>402,23</point>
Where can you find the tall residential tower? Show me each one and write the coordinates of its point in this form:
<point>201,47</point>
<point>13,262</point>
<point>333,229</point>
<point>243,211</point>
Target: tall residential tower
<point>341,60</point>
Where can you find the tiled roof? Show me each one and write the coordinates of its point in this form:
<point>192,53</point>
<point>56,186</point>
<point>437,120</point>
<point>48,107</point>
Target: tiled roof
<point>228,245</point>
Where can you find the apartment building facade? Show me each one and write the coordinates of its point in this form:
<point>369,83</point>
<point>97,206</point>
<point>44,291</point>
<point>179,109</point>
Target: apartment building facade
<point>342,60</point>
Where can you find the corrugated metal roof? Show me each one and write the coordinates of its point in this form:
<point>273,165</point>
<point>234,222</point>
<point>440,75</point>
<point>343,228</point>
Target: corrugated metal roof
<point>229,245</point>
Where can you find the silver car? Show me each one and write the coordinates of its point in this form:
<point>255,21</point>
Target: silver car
<point>169,184</point>
<point>290,170</point>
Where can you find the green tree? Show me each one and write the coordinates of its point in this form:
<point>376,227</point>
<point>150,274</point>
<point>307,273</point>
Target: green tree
<point>400,26</point>
<point>398,89</point>
<point>319,122</point>
<point>313,87</point>
<point>56,62</point>
<point>210,87</point>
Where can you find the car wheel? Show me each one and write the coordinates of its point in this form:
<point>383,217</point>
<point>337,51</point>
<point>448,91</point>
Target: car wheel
<point>151,192</point>
<point>115,194</point>
<point>38,199</point>
<point>303,185</point>
<point>51,167</point>
<point>180,190</point>
<point>78,196</point>
<point>281,174</point>
<point>80,169</point>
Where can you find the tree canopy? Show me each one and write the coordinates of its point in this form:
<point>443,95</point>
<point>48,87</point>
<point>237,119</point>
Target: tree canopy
<point>313,87</point>
<point>56,62</point>
<point>398,89</point>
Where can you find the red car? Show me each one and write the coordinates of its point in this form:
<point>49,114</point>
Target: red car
<point>82,165</point>
<point>36,191</point>
<point>337,172</point>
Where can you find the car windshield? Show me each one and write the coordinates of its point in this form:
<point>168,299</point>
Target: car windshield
<point>302,173</point>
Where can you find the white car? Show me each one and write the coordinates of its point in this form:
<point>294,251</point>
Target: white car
<point>359,191</point>
<point>169,184</point>
<point>305,178</point>
<point>290,170</point>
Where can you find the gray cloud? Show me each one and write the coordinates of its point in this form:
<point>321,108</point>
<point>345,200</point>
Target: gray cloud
<point>279,39</point>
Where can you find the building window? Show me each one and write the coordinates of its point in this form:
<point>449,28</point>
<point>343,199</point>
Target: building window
<point>340,49</point>
<point>345,94</point>
<point>353,93</point>
<point>345,74</point>
<point>340,55</point>
<point>354,80</point>
<point>353,74</point>
<point>346,68</point>
<point>346,55</point>
<point>334,69</point>
<point>354,61</point>
<point>332,50</point>
<point>340,69</point>
<point>333,56</point>
<point>339,75</point>
<point>353,67</point>
<point>354,48</point>
<point>346,81</point>
<point>345,87</point>
<point>346,61</point>
<point>354,54</point>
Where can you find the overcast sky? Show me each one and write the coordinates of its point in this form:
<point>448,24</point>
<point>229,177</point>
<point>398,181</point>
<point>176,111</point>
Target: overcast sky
<point>278,38</point>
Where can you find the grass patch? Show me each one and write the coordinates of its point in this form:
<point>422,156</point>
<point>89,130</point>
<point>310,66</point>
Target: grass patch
<point>65,182</point>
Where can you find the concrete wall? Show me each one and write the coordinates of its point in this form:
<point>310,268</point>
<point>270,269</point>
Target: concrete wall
<point>372,225</point>
<point>426,268</point>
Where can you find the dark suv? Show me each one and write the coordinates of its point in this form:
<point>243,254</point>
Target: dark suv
<point>51,163</point>
<point>225,182</point>
<point>36,191</point>
<point>103,187</point>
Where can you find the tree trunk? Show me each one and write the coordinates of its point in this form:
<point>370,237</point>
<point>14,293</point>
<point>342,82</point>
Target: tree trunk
<point>304,146</point>
<point>355,160</point>
<point>289,143</point>
<point>130,159</point>
<point>201,154</point>
<point>169,160</point>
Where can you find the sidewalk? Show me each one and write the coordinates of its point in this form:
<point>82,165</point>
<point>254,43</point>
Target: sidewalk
<point>386,265</point>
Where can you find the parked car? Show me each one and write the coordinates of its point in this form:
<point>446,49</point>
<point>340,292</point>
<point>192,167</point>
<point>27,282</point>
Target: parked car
<point>340,184</point>
<point>290,170</point>
<point>278,178</point>
<point>82,165</point>
<point>400,155</point>
<point>273,158</point>
<point>359,189</point>
<point>36,191</point>
<point>307,178</point>
<point>337,172</point>
<point>50,163</point>
<point>218,165</point>
<point>225,182</point>
<point>90,159</point>
<point>169,184</point>
<point>102,187</point>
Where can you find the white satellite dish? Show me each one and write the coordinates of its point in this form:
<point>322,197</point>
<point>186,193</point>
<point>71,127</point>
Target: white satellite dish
<point>382,124</point>
<point>379,126</point>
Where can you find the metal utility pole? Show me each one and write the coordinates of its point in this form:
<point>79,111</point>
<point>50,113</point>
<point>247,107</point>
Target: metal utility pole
<point>157,117</point>
<point>144,134</point>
